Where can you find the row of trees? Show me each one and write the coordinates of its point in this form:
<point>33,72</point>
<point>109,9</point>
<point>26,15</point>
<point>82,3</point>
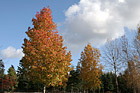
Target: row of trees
<point>88,66</point>
<point>46,63</point>
<point>123,56</point>
<point>8,82</point>
<point>106,82</point>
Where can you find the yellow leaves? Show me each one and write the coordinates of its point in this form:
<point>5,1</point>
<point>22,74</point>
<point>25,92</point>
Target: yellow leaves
<point>34,67</point>
<point>43,68</point>
<point>49,75</point>
<point>89,67</point>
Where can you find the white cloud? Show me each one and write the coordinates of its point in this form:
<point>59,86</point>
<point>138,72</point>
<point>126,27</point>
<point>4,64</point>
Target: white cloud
<point>73,9</point>
<point>95,21</point>
<point>11,52</point>
<point>121,1</point>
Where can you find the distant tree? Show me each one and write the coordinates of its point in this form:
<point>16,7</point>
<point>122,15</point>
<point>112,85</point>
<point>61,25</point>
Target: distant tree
<point>13,77</point>
<point>112,56</point>
<point>127,51</point>
<point>137,43</point>
<point>25,84</point>
<point>1,69</point>
<point>89,67</point>
<point>1,75</point>
<point>136,58</point>
<point>7,83</point>
<point>107,81</point>
<point>131,77</point>
<point>122,84</point>
<point>45,59</point>
<point>23,79</point>
<point>74,82</point>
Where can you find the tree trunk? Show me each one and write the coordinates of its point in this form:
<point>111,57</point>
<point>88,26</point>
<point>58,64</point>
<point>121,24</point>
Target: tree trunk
<point>134,91</point>
<point>64,90</point>
<point>72,89</point>
<point>84,91</point>
<point>54,90</point>
<point>44,89</point>
<point>117,88</point>
<point>116,80</point>
<point>134,88</point>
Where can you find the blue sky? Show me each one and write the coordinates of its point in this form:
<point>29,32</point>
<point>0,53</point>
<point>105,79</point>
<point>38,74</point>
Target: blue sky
<point>79,21</point>
<point>16,16</point>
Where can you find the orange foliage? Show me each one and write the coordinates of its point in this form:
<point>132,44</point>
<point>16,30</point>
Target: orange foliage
<point>45,57</point>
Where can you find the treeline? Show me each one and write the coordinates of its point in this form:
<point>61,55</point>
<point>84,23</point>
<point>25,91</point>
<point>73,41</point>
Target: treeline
<point>46,65</point>
<point>19,81</point>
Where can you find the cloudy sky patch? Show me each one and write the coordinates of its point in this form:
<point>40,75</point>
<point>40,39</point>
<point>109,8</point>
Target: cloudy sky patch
<point>11,53</point>
<point>95,21</point>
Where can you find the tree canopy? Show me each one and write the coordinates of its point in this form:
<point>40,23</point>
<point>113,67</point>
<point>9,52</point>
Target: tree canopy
<point>89,67</point>
<point>45,59</point>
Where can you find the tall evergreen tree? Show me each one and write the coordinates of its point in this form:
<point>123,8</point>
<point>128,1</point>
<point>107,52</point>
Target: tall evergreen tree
<point>1,75</point>
<point>25,84</point>
<point>13,76</point>
<point>123,84</point>
<point>107,81</point>
<point>23,80</point>
<point>74,82</point>
<point>1,69</point>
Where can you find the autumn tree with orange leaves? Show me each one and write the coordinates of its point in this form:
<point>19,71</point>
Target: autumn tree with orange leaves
<point>130,75</point>
<point>45,59</point>
<point>89,68</point>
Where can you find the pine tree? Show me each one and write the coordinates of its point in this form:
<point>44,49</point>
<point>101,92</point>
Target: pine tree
<point>107,81</point>
<point>1,69</point>
<point>1,75</point>
<point>13,77</point>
